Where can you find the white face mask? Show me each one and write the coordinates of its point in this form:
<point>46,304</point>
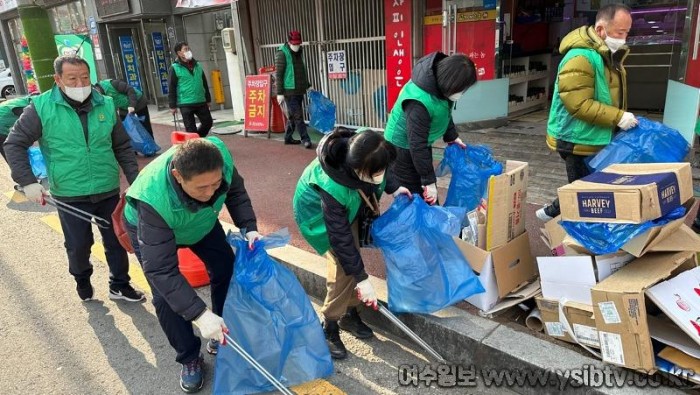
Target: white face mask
<point>455,97</point>
<point>294,48</point>
<point>378,179</point>
<point>79,93</point>
<point>188,55</point>
<point>614,43</point>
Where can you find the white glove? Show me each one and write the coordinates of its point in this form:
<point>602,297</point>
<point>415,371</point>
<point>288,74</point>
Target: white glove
<point>402,191</point>
<point>131,110</point>
<point>365,292</point>
<point>280,99</point>
<point>459,142</point>
<point>211,326</point>
<point>251,237</point>
<point>430,194</point>
<point>628,121</point>
<point>35,192</point>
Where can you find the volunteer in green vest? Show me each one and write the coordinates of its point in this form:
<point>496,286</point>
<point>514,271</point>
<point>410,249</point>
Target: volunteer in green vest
<point>84,145</point>
<point>292,82</point>
<point>189,91</point>
<point>10,110</point>
<point>175,202</point>
<point>337,193</point>
<point>422,114</point>
<point>589,103</point>
<point>127,99</point>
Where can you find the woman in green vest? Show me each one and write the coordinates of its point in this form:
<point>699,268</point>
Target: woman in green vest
<point>423,113</point>
<point>10,110</point>
<point>127,99</point>
<point>338,193</point>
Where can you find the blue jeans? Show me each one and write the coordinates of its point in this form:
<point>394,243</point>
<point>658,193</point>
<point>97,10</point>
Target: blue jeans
<point>295,107</point>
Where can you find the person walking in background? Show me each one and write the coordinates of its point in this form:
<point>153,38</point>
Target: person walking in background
<point>589,103</point>
<point>189,91</point>
<point>127,99</point>
<point>292,84</point>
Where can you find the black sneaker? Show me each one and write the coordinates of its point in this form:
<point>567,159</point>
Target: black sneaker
<point>192,375</point>
<point>213,346</point>
<point>126,292</point>
<point>335,345</point>
<point>85,290</point>
<point>308,145</point>
<point>351,322</point>
<point>292,142</point>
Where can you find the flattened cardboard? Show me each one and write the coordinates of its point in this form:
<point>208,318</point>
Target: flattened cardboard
<point>553,235</point>
<point>620,309</point>
<point>569,277</point>
<point>617,199</point>
<point>506,204</point>
<point>579,316</point>
<point>667,332</point>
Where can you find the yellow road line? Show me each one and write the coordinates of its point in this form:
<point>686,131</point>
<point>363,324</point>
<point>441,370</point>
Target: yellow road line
<point>317,387</point>
<point>15,196</point>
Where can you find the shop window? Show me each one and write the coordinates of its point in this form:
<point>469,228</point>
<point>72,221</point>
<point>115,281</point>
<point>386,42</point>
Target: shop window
<point>68,18</point>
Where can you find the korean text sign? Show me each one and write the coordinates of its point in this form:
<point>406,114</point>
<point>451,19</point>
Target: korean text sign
<point>257,102</point>
<point>131,66</point>
<point>397,14</point>
<point>159,49</point>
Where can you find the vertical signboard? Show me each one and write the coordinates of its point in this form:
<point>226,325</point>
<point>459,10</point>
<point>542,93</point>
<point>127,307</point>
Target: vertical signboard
<point>131,67</point>
<point>159,48</point>
<point>397,16</point>
<point>257,102</point>
<point>79,45</point>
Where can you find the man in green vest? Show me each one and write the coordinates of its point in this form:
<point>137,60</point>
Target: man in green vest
<point>84,145</point>
<point>10,110</point>
<point>175,201</point>
<point>189,91</point>
<point>589,103</point>
<point>292,82</point>
<point>127,99</point>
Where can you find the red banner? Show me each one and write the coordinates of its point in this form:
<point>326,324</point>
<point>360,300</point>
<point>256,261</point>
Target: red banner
<point>397,17</point>
<point>257,102</point>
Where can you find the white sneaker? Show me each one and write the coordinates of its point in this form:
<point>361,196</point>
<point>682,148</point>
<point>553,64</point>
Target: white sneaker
<point>542,215</point>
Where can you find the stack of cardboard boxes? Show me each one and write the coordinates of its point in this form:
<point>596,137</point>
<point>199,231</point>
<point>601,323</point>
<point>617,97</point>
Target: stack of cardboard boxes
<point>618,302</point>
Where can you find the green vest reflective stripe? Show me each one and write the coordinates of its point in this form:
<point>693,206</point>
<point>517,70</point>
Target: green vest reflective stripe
<point>7,117</point>
<point>121,100</point>
<point>190,89</point>
<point>154,187</point>
<point>439,110</point>
<point>562,125</point>
<point>308,213</point>
<point>289,82</point>
<point>77,167</point>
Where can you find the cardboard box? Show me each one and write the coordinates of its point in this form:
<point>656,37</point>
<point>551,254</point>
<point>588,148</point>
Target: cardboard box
<point>506,204</point>
<point>553,236</point>
<point>579,316</point>
<point>501,270</point>
<point>619,305</point>
<point>627,193</point>
<point>572,277</point>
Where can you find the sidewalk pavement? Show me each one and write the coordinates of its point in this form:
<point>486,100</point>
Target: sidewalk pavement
<point>458,333</point>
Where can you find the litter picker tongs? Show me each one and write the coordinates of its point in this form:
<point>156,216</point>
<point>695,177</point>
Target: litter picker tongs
<point>73,211</point>
<point>280,387</point>
<point>389,315</point>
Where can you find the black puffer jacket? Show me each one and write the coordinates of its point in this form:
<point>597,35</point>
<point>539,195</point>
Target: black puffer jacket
<point>331,153</point>
<point>301,78</point>
<point>414,168</point>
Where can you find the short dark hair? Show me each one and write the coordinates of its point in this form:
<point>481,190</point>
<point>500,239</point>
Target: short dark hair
<point>369,153</point>
<point>455,74</point>
<point>70,59</point>
<point>179,46</point>
<point>607,13</point>
<point>197,156</point>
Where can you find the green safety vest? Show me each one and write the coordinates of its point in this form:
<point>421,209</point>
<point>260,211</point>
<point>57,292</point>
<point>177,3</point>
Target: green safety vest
<point>562,125</point>
<point>7,117</point>
<point>121,100</point>
<point>308,213</point>
<point>77,167</point>
<point>289,81</point>
<point>154,186</point>
<point>439,110</point>
<point>190,89</point>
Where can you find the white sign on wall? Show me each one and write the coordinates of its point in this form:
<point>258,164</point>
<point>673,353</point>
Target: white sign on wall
<point>337,65</point>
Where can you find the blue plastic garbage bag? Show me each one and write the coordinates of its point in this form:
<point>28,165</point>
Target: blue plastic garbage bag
<point>269,315</point>
<point>141,141</point>
<point>471,169</point>
<point>321,112</point>
<point>425,270</point>
<point>606,238</point>
<point>36,159</point>
<point>648,142</point>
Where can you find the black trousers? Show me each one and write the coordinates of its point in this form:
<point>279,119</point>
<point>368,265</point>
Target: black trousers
<point>576,169</point>
<point>2,150</point>
<point>205,120</point>
<point>79,240</point>
<point>141,113</point>
<point>218,258</point>
<point>295,107</point>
